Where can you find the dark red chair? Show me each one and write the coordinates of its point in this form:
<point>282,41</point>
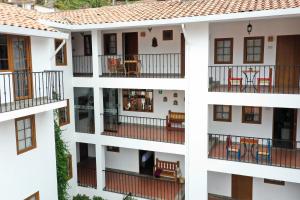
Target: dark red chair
<point>231,78</point>
<point>265,80</point>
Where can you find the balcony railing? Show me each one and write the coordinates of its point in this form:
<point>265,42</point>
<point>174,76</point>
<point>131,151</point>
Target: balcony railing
<point>255,79</point>
<point>143,186</point>
<point>86,176</point>
<point>82,66</point>
<point>20,90</point>
<point>168,65</point>
<point>262,151</point>
<point>142,128</point>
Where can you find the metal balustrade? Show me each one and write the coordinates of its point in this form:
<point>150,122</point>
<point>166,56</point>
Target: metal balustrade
<point>82,66</point>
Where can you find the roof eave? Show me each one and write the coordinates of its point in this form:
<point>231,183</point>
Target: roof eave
<point>32,32</point>
<point>289,12</point>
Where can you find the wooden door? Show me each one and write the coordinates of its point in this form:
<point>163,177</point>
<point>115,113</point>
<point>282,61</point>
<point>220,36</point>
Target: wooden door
<point>182,59</point>
<point>241,188</point>
<point>130,44</point>
<point>287,62</point>
<point>84,151</point>
<point>21,64</point>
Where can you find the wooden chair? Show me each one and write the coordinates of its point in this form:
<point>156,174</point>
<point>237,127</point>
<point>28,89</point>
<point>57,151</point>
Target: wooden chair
<point>231,78</point>
<point>265,80</point>
<point>168,169</point>
<point>232,148</point>
<point>264,152</point>
<point>175,118</point>
<point>114,66</point>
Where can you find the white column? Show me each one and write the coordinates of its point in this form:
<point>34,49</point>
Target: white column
<point>197,51</point>
<point>97,50</point>
<point>100,162</point>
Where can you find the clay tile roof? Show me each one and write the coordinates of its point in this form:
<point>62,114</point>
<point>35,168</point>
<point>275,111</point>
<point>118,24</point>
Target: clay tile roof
<point>165,10</point>
<point>13,16</point>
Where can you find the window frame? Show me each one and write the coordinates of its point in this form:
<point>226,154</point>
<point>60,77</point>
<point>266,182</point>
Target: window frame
<point>222,120</point>
<point>262,52</point>
<point>70,166</point>
<point>33,134</point>
<point>231,51</point>
<point>167,35</point>
<point>251,122</point>
<point>106,41</point>
<point>67,110</point>
<point>64,48</point>
<point>85,46</point>
<point>36,195</point>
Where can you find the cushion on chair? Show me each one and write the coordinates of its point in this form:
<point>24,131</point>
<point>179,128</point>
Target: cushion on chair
<point>157,172</point>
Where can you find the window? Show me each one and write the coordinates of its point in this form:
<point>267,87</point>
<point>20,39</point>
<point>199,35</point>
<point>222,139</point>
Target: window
<point>275,182</point>
<point>35,196</point>
<point>64,115</point>
<point>223,51</point>
<point>69,167</point>
<point>168,35</point>
<point>87,45</point>
<point>222,113</point>
<point>61,56</point>
<point>25,134</point>
<point>113,149</point>
<point>251,115</point>
<point>4,66</point>
<point>110,44</point>
<point>254,50</point>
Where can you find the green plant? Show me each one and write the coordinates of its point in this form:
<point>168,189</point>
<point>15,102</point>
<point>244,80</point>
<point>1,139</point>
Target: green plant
<point>61,163</point>
<point>81,197</point>
<point>77,4</point>
<point>97,198</point>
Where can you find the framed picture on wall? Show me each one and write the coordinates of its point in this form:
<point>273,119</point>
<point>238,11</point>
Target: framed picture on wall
<point>137,100</point>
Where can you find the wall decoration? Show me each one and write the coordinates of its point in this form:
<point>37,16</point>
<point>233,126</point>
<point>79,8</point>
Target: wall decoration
<point>175,95</point>
<point>138,100</point>
<point>143,34</point>
<point>113,149</point>
<point>165,99</point>
<point>168,35</point>
<point>175,103</point>
<point>160,92</point>
<point>154,42</point>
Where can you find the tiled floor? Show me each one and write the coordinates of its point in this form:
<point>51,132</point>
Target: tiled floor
<point>142,186</point>
<point>289,158</point>
<point>144,132</point>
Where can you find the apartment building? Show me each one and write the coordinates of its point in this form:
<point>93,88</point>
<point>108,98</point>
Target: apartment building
<point>31,87</point>
<point>182,100</point>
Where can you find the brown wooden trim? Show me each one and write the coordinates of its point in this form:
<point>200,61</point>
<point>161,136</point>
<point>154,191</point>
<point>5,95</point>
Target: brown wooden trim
<point>235,180</point>
<point>261,53</point>
<point>70,166</point>
<point>9,55</point>
<point>222,120</point>
<point>36,195</point>
<point>165,37</point>
<point>33,134</point>
<point>231,51</point>
<point>248,122</point>
<point>105,48</point>
<point>67,110</point>
<point>65,61</point>
<point>274,182</point>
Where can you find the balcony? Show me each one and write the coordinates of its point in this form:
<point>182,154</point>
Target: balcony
<point>19,90</point>
<point>262,151</point>
<point>169,65</point>
<point>82,66</point>
<point>254,79</point>
<point>149,187</point>
<point>143,128</point>
<point>86,173</point>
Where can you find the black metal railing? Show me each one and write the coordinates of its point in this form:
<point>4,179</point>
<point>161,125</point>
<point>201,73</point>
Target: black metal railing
<point>82,66</point>
<point>142,186</point>
<point>86,176</point>
<point>263,151</point>
<point>255,79</point>
<point>142,128</point>
<point>166,65</point>
<point>20,90</point>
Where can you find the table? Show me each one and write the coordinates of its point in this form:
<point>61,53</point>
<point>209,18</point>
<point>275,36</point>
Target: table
<point>132,67</point>
<point>250,75</point>
<point>249,144</point>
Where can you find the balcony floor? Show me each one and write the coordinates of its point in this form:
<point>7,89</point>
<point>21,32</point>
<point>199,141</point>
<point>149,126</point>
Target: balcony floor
<point>252,89</point>
<point>140,186</point>
<point>280,157</point>
<point>146,132</point>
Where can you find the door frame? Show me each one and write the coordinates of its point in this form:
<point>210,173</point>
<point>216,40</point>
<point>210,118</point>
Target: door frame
<point>28,67</point>
<point>294,133</point>
<point>232,189</point>
<point>123,42</point>
<point>182,59</point>
<point>139,158</point>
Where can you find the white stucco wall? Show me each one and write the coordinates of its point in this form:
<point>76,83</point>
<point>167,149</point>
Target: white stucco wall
<point>31,171</point>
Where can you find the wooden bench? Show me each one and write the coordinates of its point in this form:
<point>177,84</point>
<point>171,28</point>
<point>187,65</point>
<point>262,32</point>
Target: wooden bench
<point>177,119</point>
<point>169,169</point>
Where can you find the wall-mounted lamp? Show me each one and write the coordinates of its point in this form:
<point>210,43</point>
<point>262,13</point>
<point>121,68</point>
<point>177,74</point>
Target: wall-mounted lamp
<point>249,28</point>
<point>149,29</point>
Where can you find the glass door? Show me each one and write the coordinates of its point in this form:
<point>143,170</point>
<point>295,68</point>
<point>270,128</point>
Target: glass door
<point>22,76</point>
<point>111,111</point>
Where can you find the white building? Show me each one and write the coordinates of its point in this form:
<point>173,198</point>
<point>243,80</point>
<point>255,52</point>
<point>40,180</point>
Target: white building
<point>173,100</point>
